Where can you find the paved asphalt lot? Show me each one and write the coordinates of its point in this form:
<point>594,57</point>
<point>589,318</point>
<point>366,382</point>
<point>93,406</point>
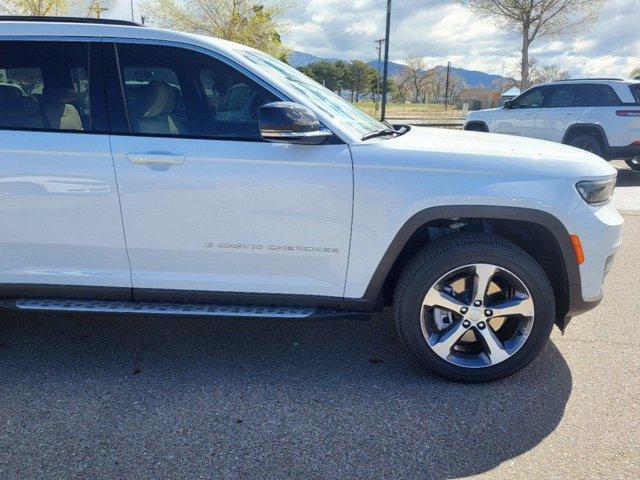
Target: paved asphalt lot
<point>109,397</point>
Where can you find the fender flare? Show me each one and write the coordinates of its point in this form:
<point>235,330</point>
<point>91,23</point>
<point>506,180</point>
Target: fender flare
<point>594,126</point>
<point>548,221</point>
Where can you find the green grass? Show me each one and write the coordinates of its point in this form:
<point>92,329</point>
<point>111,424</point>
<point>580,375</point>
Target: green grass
<point>413,110</point>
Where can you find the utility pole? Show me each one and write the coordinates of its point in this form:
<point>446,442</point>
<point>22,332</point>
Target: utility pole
<point>446,87</point>
<point>132,17</point>
<point>385,76</point>
<point>378,43</point>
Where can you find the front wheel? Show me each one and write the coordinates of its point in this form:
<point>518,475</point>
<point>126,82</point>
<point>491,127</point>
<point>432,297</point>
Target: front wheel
<point>474,308</point>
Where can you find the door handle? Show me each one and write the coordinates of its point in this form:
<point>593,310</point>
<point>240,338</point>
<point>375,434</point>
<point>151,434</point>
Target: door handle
<point>155,159</point>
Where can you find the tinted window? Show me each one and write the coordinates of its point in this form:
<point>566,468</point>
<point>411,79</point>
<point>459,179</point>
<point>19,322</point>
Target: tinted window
<point>173,91</point>
<point>563,96</point>
<point>530,99</point>
<point>635,90</point>
<point>45,86</point>
<point>601,96</point>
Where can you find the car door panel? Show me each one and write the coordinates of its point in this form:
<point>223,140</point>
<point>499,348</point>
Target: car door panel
<point>237,216</point>
<point>230,213</point>
<point>59,208</point>
<point>562,108</point>
<point>521,117</point>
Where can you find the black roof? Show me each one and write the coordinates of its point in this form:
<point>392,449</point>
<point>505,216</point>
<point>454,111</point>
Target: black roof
<point>102,21</point>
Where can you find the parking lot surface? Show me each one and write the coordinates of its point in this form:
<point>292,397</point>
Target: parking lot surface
<point>88,396</point>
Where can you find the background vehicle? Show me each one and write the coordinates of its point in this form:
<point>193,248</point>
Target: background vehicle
<point>123,190</point>
<point>601,116</point>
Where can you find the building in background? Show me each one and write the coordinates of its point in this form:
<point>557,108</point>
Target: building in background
<point>510,94</point>
<point>479,98</point>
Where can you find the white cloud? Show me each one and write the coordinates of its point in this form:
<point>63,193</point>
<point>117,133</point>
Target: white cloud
<point>441,32</point>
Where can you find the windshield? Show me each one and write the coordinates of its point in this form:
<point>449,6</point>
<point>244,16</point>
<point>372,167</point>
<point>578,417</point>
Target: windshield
<point>331,104</point>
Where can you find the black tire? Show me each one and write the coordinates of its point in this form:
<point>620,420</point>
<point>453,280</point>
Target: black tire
<point>634,164</point>
<point>434,261</point>
<point>591,142</point>
<point>476,127</point>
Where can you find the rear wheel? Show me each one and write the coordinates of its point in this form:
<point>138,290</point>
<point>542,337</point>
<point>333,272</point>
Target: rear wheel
<point>589,142</point>
<point>633,163</point>
<point>474,308</point>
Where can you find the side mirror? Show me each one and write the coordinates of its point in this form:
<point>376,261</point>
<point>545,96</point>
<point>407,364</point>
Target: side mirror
<point>508,104</point>
<point>289,122</point>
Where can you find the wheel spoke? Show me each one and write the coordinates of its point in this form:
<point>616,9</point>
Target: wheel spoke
<point>436,298</point>
<point>514,306</point>
<point>447,340</point>
<point>484,274</point>
<point>496,351</point>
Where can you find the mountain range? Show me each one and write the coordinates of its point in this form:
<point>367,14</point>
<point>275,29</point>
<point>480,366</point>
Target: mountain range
<point>473,78</point>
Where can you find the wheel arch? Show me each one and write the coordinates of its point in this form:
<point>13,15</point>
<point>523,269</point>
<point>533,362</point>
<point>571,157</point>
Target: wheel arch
<point>580,128</point>
<point>477,123</point>
<point>519,225</point>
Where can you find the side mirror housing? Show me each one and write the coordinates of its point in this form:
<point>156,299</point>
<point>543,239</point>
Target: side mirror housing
<point>290,122</point>
<point>508,104</point>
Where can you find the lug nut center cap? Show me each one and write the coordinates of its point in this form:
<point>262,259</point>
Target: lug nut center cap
<point>475,314</point>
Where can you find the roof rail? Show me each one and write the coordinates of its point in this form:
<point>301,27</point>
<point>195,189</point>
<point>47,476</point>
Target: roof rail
<point>585,79</point>
<point>102,21</point>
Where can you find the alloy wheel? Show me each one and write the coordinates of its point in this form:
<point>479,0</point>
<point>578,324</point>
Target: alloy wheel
<point>477,316</point>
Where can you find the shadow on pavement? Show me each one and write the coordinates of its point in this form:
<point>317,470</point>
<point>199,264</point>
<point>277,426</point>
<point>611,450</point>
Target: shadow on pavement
<point>627,178</point>
<point>110,397</point>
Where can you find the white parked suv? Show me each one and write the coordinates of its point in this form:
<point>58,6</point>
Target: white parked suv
<point>123,190</point>
<point>601,116</point>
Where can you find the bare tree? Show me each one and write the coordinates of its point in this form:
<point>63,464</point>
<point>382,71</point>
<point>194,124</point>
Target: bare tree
<point>252,23</point>
<point>414,73</point>
<point>549,73</point>
<point>403,88</point>
<point>537,18</point>
<point>635,73</point>
<point>95,8</point>
<point>39,8</point>
<point>436,82</point>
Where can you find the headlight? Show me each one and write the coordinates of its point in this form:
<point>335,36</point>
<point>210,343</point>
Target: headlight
<point>596,192</point>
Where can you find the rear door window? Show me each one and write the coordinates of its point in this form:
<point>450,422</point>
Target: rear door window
<point>45,86</point>
<point>563,96</point>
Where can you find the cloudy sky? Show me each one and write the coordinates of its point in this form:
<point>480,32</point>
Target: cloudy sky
<point>441,32</point>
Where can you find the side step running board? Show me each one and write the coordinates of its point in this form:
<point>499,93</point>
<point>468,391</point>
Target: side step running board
<point>192,309</point>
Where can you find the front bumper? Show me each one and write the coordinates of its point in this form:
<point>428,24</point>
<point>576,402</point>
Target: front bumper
<point>600,231</point>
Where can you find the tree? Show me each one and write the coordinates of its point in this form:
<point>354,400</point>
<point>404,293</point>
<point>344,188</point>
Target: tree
<point>95,8</point>
<point>414,71</point>
<point>402,88</point>
<point>534,19</point>
<point>549,73</point>
<point>361,78</point>
<point>635,73</point>
<point>436,85</point>
<point>324,72</point>
<point>243,21</point>
<point>39,8</point>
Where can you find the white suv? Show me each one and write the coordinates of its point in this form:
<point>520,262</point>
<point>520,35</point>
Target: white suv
<point>127,186</point>
<point>598,115</point>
